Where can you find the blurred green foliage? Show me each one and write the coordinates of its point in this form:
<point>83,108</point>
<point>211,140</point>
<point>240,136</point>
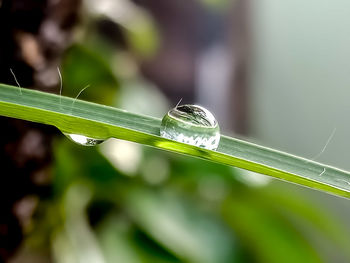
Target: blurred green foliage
<point>125,203</point>
<point>82,67</point>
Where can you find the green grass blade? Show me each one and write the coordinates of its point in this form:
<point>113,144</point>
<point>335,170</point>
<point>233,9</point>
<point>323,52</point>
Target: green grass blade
<point>102,122</point>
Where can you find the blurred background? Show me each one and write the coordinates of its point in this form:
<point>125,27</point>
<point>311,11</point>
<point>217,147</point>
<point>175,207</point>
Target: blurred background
<point>272,72</point>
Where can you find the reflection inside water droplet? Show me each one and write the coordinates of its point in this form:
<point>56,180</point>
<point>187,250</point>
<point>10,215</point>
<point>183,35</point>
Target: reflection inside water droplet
<point>83,140</point>
<point>193,125</point>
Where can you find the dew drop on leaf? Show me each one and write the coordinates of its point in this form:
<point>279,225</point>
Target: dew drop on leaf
<point>83,140</point>
<point>191,124</point>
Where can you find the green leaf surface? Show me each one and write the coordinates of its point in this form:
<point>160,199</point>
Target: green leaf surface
<point>102,122</point>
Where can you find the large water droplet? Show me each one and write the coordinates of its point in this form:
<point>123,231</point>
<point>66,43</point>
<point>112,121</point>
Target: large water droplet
<point>83,140</point>
<point>193,125</point>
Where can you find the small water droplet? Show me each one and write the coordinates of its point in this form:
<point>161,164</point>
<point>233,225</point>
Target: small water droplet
<point>83,140</point>
<point>193,125</point>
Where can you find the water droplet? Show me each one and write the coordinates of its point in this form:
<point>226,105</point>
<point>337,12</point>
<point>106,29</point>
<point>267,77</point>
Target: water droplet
<point>193,125</point>
<point>83,140</point>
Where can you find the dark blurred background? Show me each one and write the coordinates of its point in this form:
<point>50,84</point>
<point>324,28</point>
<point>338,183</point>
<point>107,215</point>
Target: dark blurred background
<point>272,72</point>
